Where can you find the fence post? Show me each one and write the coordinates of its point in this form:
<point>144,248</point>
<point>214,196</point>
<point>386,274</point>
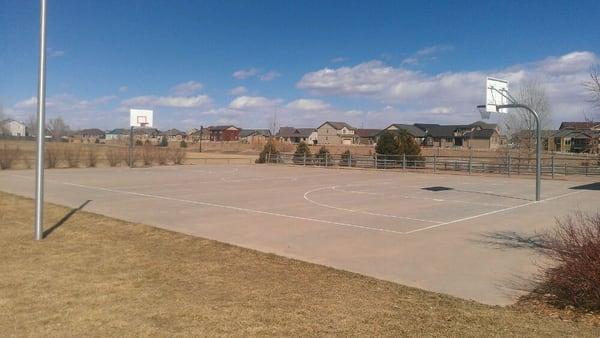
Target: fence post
<point>349,160</point>
<point>565,169</point>
<point>552,162</point>
<point>586,170</point>
<point>269,157</point>
<point>434,163</point>
<point>470,164</point>
<point>403,161</point>
<point>375,161</point>
<point>326,160</point>
<point>509,163</point>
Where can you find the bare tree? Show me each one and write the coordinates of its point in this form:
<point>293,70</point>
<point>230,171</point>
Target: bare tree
<point>58,128</point>
<point>31,125</point>
<point>593,86</point>
<point>3,127</point>
<point>520,123</point>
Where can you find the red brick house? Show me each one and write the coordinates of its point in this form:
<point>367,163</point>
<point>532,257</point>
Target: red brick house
<point>224,133</point>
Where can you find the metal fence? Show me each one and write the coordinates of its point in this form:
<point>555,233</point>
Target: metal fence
<point>504,165</point>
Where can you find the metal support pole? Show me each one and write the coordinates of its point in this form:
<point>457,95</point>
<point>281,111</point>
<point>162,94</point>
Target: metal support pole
<point>538,146</point>
<point>130,153</point>
<point>41,129</point>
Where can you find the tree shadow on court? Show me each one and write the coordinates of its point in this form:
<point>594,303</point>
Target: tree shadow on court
<point>590,186</point>
<point>511,240</point>
<point>65,218</point>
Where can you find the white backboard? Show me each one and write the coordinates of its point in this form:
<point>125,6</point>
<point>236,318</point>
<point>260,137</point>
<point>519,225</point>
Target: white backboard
<point>496,94</point>
<point>140,118</point>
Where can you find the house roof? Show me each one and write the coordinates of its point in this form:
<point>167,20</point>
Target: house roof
<point>223,127</point>
<point>425,126</point>
<point>447,130</point>
<point>248,132</point>
<point>481,134</point>
<point>572,134</point>
<point>409,128</point>
<point>294,132</point>
<point>118,131</point>
<point>531,133</point>
<point>579,125</point>
<point>91,132</point>
<point>172,132</point>
<point>5,121</point>
<point>337,125</point>
<point>367,132</point>
<point>484,125</point>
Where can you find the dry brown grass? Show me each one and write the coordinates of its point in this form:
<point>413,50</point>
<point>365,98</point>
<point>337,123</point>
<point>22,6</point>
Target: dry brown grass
<point>105,277</point>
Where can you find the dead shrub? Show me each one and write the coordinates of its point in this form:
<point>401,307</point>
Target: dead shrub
<point>72,155</point>
<point>177,155</point>
<point>162,156</point>
<point>148,155</point>
<point>114,156</point>
<point>92,157</point>
<point>8,156</point>
<point>574,249</point>
<point>51,155</point>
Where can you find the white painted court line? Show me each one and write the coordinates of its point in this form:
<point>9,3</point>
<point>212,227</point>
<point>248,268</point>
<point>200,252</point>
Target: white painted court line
<point>492,212</point>
<point>349,225</point>
<point>420,198</point>
<point>359,211</point>
<point>224,206</point>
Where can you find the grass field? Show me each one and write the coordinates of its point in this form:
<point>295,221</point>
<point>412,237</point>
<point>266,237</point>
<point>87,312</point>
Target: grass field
<point>95,275</point>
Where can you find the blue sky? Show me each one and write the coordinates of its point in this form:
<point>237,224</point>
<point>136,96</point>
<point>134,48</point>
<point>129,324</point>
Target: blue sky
<point>369,63</point>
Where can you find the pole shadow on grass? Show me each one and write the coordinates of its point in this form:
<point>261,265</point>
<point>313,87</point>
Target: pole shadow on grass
<point>65,218</point>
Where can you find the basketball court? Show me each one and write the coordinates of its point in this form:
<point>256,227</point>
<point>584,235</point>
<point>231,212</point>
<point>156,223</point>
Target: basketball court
<point>461,235</point>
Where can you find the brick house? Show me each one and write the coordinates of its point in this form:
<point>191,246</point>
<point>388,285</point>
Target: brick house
<point>224,133</point>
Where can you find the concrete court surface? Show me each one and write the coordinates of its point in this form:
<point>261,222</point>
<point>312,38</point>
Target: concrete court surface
<point>378,223</point>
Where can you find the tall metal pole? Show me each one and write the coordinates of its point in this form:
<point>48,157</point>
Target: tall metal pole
<point>538,146</point>
<point>41,128</point>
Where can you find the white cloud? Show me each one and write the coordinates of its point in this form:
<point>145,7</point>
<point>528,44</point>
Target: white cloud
<point>308,104</point>
<point>243,74</point>
<point>423,95</point>
<point>269,76</point>
<point>123,89</point>
<point>186,88</point>
<point>197,101</point>
<point>338,59</point>
<point>238,91</point>
<point>53,53</point>
<point>252,102</point>
<point>426,54</point>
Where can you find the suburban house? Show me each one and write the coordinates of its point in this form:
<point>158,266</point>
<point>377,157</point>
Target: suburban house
<point>477,135</point>
<point>255,135</point>
<point>417,133</point>
<point>198,134</point>
<point>11,127</point>
<point>117,134</point>
<point>297,135</point>
<point>571,140</point>
<point>224,133</point>
<point>483,139</point>
<point>580,125</point>
<point>336,133</point>
<point>93,135</point>
<point>174,135</point>
<point>367,136</point>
